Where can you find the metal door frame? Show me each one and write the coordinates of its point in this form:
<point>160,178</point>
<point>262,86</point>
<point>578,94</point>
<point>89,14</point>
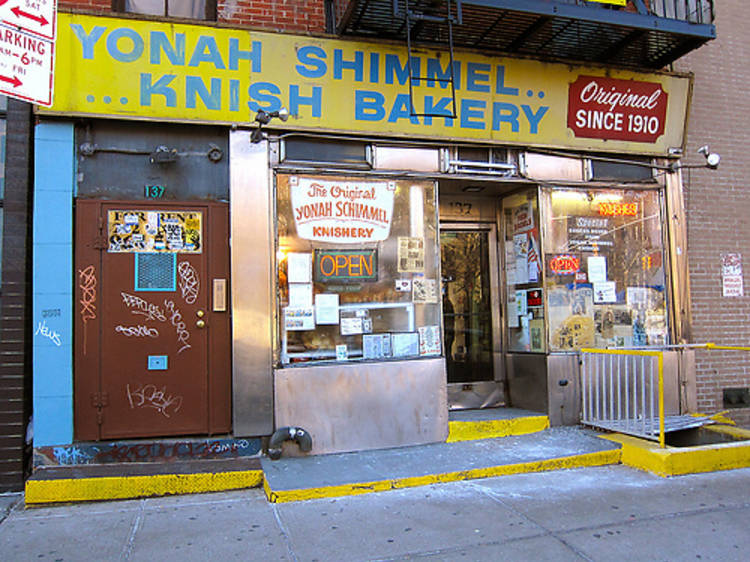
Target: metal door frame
<point>498,353</point>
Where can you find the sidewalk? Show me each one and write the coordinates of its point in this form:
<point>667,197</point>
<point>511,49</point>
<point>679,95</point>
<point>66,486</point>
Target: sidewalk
<point>595,513</point>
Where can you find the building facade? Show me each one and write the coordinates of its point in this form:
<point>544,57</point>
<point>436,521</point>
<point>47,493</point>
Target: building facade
<point>717,118</point>
<point>238,230</point>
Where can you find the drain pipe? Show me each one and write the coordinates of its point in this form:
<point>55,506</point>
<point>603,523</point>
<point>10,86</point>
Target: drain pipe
<point>296,434</point>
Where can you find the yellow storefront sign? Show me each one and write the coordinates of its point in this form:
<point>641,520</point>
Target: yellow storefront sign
<point>134,69</point>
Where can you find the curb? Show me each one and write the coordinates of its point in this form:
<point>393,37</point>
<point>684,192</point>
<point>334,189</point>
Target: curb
<point>39,492</point>
<point>675,461</point>
<point>600,458</point>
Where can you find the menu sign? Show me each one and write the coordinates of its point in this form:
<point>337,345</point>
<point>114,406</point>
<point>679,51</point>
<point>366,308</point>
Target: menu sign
<point>344,212</point>
<point>613,109</point>
<point>589,234</point>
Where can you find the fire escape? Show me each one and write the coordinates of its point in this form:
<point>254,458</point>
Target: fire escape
<point>645,34</point>
<point>642,34</point>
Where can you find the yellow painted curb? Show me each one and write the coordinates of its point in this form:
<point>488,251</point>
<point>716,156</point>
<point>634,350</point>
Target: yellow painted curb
<point>674,461</point>
<point>124,487</point>
<point>489,429</point>
<point>576,461</point>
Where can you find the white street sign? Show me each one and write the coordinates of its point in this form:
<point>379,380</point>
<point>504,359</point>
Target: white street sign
<point>34,16</point>
<point>26,66</point>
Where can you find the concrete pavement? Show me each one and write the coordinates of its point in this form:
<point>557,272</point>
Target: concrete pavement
<point>595,513</point>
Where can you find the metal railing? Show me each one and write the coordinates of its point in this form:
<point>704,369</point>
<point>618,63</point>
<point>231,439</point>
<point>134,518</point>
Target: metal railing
<point>623,391</point>
<point>695,11</point>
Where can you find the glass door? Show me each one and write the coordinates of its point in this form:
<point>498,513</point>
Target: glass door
<point>470,314</point>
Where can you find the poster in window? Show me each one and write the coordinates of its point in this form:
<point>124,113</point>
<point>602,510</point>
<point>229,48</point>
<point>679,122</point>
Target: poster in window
<point>424,290</point>
<point>520,254</point>
<point>299,319</point>
<point>155,231</point>
<point>536,334</point>
<point>410,254</point>
<point>327,308</point>
<point>376,346</point>
<point>429,340</point>
<point>405,344</point>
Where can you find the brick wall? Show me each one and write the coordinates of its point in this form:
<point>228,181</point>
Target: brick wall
<point>15,308</point>
<point>718,202</point>
<point>289,16</point>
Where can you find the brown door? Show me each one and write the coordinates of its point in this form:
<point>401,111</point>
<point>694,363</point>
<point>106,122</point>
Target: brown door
<point>152,338</point>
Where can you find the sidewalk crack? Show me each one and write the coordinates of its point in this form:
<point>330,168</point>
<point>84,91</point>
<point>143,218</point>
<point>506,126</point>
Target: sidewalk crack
<point>127,550</point>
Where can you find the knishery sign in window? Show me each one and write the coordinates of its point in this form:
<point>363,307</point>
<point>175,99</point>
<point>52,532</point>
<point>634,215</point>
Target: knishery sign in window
<point>349,212</point>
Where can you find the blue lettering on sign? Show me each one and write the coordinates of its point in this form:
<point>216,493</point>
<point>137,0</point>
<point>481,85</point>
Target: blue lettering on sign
<point>436,74</point>
<point>534,118</point>
<point>195,87</point>
<point>113,45</point>
<point>402,110</point>
<point>368,106</point>
<point>234,95</point>
<point>312,61</point>
<point>258,91</point>
<point>394,69</point>
<point>161,43</point>
<point>441,108</point>
<point>88,41</point>
<point>357,65</point>
<point>500,87</point>
<point>374,68</point>
<point>159,88</point>
<point>236,54</point>
<point>207,51</point>
<point>315,100</point>
<point>477,77</point>
<point>505,113</point>
<point>472,114</point>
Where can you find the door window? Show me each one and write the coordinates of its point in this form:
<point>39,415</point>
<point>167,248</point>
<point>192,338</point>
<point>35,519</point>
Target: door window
<point>523,274</point>
<point>467,307</point>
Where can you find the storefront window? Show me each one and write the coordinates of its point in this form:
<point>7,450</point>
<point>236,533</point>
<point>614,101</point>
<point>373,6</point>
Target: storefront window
<point>523,274</point>
<point>604,260</point>
<point>357,269</point>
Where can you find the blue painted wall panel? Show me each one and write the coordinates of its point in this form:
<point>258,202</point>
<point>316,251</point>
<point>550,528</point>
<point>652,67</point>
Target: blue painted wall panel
<point>52,386</point>
<point>53,219</point>
<point>53,269</point>
<point>53,420</point>
<point>54,173</point>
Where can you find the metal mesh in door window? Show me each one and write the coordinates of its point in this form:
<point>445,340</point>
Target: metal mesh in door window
<point>155,272</point>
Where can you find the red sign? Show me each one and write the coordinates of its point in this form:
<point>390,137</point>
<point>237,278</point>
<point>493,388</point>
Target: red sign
<point>565,264</point>
<point>534,297</point>
<point>613,109</point>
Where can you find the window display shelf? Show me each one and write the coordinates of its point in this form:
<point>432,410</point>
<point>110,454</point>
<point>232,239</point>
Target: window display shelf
<point>353,353</point>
